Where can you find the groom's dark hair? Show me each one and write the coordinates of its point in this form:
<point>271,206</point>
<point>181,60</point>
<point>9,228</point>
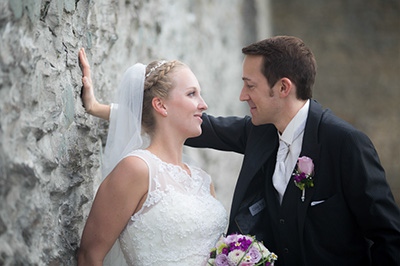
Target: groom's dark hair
<point>286,56</point>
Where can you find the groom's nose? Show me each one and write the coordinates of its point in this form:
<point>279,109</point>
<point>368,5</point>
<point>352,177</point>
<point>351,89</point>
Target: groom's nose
<point>244,96</point>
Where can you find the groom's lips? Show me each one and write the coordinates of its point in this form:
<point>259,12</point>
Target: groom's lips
<point>251,105</point>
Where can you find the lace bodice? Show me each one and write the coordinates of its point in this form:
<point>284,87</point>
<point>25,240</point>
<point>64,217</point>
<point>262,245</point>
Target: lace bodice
<point>179,222</point>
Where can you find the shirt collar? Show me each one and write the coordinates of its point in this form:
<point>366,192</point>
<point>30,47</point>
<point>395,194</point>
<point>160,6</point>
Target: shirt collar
<point>295,125</point>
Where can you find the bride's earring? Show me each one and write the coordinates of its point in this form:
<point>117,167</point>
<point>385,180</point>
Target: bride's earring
<point>165,113</point>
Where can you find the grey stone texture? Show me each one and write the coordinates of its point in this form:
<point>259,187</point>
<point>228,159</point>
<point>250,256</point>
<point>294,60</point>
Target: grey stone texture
<point>357,48</point>
<point>50,149</point>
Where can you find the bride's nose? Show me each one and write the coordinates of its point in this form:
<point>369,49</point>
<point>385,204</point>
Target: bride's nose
<point>202,104</point>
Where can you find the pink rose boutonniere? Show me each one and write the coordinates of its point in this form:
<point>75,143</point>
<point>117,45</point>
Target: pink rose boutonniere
<point>303,175</point>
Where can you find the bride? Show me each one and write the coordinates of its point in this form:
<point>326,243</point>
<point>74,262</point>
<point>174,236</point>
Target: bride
<point>151,208</point>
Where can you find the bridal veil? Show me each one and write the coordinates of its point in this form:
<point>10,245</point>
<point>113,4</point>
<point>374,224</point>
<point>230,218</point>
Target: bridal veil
<point>124,133</point>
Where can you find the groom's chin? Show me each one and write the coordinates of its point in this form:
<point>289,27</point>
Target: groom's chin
<point>254,121</point>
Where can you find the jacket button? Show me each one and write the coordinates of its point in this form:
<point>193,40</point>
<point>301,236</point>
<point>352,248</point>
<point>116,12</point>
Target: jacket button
<point>286,250</point>
<point>282,221</point>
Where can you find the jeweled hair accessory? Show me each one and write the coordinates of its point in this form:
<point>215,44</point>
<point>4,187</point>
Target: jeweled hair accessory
<point>155,67</point>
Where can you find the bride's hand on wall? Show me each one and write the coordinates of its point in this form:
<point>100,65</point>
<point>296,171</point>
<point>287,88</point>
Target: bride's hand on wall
<point>87,92</point>
<point>90,103</point>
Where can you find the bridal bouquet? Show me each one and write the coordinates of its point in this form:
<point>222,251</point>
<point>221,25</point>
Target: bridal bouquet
<point>240,250</point>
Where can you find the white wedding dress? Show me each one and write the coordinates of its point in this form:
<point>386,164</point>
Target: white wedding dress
<point>179,222</point>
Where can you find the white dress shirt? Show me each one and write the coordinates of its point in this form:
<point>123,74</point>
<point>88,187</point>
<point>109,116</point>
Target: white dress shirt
<point>293,137</point>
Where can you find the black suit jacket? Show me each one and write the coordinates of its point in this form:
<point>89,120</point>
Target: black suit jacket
<point>349,217</point>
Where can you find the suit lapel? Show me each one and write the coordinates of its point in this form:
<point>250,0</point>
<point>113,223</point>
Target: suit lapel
<point>259,150</point>
<point>311,149</point>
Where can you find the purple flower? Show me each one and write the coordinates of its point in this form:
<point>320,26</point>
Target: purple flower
<point>240,249</point>
<point>242,244</point>
<point>231,239</point>
<point>221,260</point>
<point>255,254</point>
<point>225,251</point>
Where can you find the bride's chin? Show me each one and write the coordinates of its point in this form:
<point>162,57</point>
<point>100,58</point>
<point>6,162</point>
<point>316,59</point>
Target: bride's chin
<point>198,133</point>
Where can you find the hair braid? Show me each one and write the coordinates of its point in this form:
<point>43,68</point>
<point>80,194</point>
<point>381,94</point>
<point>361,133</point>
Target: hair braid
<point>158,83</point>
<point>157,74</point>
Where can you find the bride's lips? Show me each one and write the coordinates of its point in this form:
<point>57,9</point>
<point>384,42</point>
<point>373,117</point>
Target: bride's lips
<point>198,116</point>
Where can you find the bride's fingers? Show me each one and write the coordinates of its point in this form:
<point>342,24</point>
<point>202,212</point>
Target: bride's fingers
<point>85,63</point>
<point>87,91</point>
<point>88,98</point>
<point>86,79</point>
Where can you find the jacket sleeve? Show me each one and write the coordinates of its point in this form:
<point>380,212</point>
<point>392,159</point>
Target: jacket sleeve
<point>370,199</point>
<point>223,133</point>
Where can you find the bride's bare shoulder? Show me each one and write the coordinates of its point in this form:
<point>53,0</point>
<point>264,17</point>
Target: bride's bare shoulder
<point>131,169</point>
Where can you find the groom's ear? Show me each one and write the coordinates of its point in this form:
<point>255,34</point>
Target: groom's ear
<point>159,106</point>
<point>286,86</point>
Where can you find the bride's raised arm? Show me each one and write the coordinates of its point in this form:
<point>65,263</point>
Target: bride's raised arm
<point>90,103</point>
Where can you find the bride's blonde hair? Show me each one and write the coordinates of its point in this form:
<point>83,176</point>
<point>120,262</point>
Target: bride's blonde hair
<point>158,83</point>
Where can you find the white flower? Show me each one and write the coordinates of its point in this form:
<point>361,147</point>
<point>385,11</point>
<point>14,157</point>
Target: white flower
<point>264,251</point>
<point>235,256</point>
<point>274,256</point>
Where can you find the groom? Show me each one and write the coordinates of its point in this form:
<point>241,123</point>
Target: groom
<point>348,216</point>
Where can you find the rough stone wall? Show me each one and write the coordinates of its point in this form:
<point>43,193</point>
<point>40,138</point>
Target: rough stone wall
<point>356,45</point>
<point>50,149</point>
